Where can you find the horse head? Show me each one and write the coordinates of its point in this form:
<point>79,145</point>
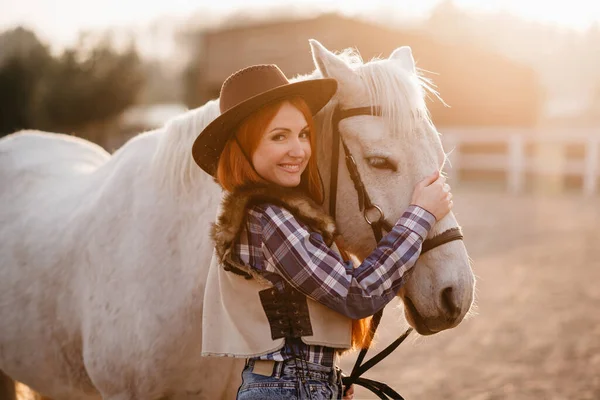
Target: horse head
<point>393,151</point>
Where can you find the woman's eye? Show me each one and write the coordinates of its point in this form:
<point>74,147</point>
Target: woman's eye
<point>381,163</point>
<point>277,137</point>
<point>305,134</point>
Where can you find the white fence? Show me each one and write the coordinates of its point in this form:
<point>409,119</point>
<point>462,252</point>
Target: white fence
<point>547,159</point>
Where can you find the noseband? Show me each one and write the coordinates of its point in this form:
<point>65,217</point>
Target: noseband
<point>379,226</point>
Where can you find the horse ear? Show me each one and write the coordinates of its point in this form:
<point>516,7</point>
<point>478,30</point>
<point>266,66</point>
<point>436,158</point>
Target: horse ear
<point>404,56</point>
<point>329,64</point>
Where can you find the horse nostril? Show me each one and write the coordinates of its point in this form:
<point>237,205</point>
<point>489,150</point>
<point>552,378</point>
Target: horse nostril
<point>449,303</point>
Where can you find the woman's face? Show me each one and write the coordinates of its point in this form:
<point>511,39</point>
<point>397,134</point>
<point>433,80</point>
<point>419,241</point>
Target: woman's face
<point>284,148</point>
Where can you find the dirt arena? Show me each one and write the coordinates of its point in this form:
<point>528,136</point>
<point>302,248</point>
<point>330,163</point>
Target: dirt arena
<point>535,333</point>
<point>536,329</point>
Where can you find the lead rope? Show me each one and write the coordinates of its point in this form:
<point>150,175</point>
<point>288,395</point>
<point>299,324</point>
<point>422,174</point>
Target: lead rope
<point>382,390</point>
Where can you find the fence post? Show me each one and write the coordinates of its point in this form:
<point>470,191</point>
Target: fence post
<point>516,162</point>
<point>590,177</point>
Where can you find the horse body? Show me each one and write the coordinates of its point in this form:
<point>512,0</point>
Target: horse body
<point>99,295</point>
<point>104,258</point>
<point>49,175</point>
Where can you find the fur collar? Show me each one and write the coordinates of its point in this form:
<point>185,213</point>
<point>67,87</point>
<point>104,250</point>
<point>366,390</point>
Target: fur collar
<point>232,217</point>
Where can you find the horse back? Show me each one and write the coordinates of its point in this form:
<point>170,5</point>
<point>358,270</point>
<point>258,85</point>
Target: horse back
<point>49,154</point>
<point>45,181</point>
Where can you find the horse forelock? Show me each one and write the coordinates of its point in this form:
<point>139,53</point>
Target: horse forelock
<point>400,94</point>
<point>173,165</point>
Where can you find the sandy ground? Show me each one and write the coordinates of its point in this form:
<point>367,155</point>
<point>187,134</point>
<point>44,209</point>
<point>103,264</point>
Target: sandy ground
<point>535,333</point>
<point>536,329</point>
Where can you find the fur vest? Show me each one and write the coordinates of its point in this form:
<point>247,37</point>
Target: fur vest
<point>242,311</point>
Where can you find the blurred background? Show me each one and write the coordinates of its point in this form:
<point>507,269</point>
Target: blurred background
<point>521,83</point>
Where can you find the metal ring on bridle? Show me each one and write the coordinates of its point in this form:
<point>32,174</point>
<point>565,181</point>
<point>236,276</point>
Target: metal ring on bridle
<point>374,206</point>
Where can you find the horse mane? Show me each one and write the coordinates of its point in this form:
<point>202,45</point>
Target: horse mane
<point>173,165</point>
<point>400,95</point>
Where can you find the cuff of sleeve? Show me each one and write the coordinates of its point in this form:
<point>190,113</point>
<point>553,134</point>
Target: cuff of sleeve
<point>418,220</point>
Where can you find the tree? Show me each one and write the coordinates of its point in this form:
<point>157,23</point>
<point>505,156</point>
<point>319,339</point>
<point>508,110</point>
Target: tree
<point>24,61</point>
<point>85,85</point>
<point>86,88</point>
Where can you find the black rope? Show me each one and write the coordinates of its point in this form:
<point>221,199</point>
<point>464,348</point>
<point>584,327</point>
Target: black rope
<point>382,354</point>
<point>382,390</point>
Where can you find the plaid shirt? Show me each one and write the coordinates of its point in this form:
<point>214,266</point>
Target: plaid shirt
<point>283,249</point>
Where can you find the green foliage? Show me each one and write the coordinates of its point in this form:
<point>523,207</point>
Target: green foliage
<point>64,93</point>
<point>23,64</point>
<point>92,88</point>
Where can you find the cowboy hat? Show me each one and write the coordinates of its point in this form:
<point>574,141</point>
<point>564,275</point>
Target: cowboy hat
<point>245,92</point>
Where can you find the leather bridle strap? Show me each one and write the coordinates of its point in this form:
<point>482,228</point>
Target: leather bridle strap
<point>364,201</point>
<point>443,238</point>
<point>338,115</point>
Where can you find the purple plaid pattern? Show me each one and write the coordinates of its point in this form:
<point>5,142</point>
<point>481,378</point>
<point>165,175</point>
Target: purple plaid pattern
<point>284,249</point>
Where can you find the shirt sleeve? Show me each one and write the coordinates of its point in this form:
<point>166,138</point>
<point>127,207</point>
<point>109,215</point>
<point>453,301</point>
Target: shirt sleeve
<point>313,268</point>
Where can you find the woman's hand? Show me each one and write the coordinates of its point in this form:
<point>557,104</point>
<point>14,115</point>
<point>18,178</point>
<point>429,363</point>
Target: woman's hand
<point>349,393</point>
<point>433,194</point>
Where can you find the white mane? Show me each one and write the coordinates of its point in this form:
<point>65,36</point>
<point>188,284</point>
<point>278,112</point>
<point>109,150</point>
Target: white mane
<point>400,95</point>
<point>173,165</point>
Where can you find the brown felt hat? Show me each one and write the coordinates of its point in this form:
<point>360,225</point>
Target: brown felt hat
<point>245,92</point>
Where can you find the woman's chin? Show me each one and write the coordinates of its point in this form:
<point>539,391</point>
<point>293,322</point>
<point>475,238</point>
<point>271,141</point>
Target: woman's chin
<point>290,184</point>
<point>290,181</point>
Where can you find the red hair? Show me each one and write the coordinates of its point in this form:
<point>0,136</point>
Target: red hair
<point>360,327</point>
<point>234,171</point>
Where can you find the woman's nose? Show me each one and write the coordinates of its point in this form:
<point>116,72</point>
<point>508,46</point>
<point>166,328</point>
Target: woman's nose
<point>296,149</point>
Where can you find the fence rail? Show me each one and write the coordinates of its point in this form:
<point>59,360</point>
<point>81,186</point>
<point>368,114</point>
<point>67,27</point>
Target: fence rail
<point>548,159</point>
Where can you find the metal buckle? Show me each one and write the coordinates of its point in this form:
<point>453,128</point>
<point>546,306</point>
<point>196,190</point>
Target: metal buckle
<point>381,216</point>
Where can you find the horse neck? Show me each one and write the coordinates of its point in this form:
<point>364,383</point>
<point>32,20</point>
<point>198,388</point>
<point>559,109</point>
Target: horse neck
<point>186,198</point>
<point>173,166</point>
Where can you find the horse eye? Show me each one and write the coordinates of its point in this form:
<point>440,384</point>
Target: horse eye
<point>381,163</point>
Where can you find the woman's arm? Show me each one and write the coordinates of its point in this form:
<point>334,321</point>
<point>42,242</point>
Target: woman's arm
<point>309,265</point>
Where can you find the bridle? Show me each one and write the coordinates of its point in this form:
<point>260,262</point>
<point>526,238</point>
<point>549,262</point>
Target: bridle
<point>379,226</point>
<point>364,201</point>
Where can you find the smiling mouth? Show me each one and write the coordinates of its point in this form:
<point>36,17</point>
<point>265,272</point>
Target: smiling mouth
<point>290,167</point>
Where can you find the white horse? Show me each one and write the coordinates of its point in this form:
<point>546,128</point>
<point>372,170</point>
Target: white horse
<point>104,258</point>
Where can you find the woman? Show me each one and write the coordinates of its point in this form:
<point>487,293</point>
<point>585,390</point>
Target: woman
<point>279,292</point>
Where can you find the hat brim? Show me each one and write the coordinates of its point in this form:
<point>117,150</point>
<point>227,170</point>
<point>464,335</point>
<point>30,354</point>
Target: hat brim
<point>209,144</point>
